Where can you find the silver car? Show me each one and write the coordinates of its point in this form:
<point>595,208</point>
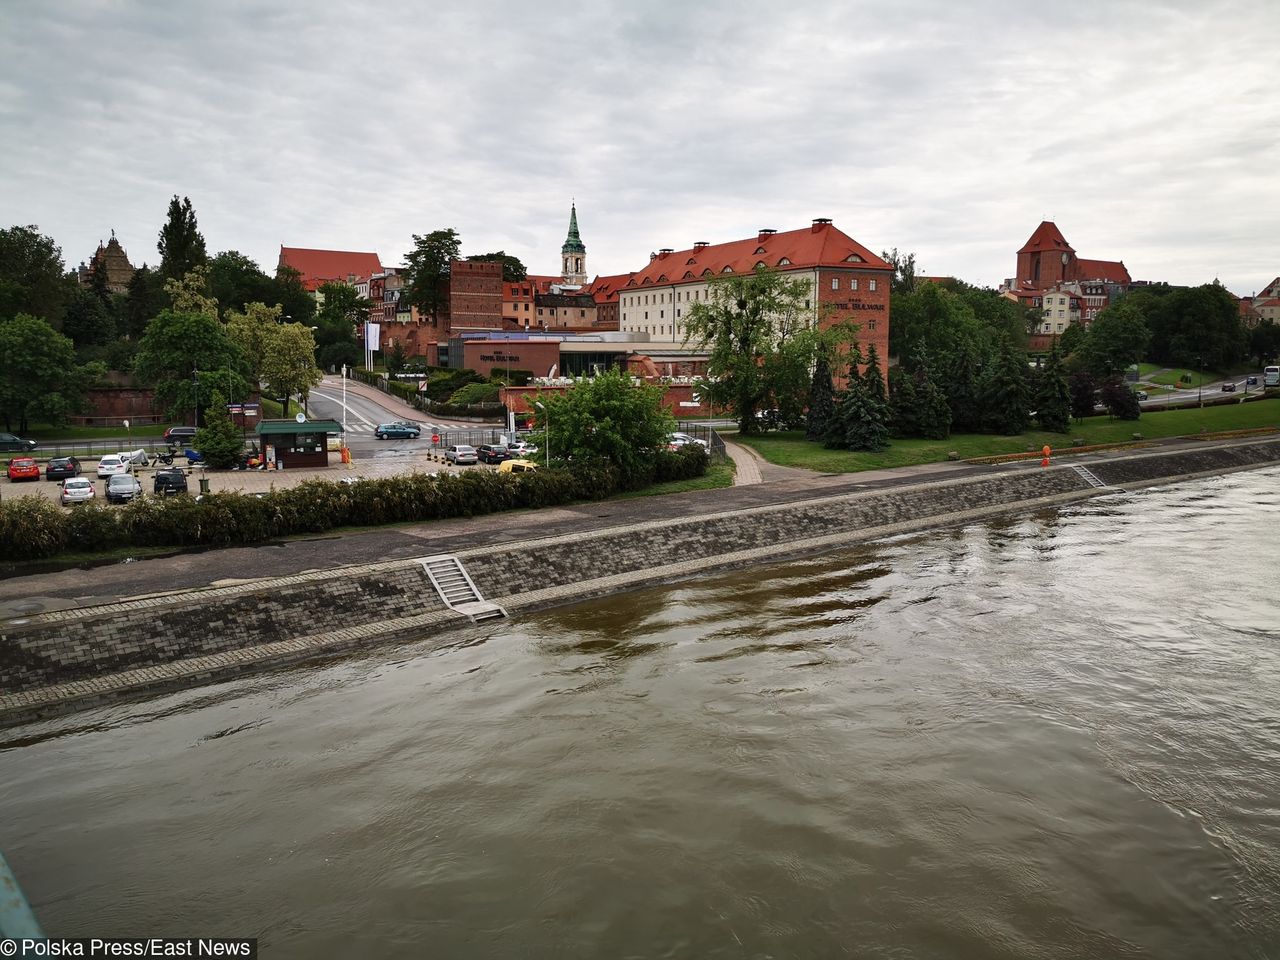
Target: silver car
<point>76,490</point>
<point>122,488</point>
<point>460,454</point>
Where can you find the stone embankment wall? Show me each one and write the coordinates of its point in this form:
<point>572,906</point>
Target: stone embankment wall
<point>61,660</point>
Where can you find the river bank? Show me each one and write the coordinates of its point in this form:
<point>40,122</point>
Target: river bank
<point>85,637</point>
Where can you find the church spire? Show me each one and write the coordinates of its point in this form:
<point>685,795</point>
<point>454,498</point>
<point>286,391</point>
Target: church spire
<point>573,254</point>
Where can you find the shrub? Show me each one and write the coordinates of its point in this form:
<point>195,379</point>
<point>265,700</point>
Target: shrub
<point>475,393</point>
<point>31,528</point>
<point>92,526</point>
<point>687,462</point>
<point>405,390</point>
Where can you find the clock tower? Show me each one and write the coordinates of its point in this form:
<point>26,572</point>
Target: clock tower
<point>1046,259</point>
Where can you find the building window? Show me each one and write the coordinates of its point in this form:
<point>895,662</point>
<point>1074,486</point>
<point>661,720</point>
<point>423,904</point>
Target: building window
<point>662,313</point>
<point>646,316</point>
<point>1059,328</point>
<point>539,311</point>
<point>853,284</point>
<point>807,305</point>
<point>835,283</point>
<point>871,324</point>
<point>871,285</point>
<point>1060,313</point>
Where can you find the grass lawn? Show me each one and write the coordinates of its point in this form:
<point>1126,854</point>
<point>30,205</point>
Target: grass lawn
<point>1191,378</point>
<point>717,475</point>
<point>1146,369</point>
<point>790,449</point>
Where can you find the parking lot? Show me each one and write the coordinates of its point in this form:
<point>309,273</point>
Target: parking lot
<point>392,463</point>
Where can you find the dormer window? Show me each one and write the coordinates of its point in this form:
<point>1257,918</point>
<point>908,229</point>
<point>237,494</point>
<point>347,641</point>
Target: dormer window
<point>727,269</point>
<point>691,261</point>
<point>784,262</point>
<point>707,272</point>
<point>854,258</point>
<point>761,265</point>
<point>759,250</point>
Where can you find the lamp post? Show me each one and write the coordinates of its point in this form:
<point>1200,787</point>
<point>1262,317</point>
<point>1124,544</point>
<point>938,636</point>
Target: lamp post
<point>195,378</point>
<point>1200,381</point>
<point>542,407</point>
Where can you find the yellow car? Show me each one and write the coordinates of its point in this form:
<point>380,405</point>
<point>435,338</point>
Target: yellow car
<point>517,466</point>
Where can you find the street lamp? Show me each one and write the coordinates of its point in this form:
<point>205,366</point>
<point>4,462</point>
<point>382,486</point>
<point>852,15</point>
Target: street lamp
<point>1200,381</point>
<point>542,407</point>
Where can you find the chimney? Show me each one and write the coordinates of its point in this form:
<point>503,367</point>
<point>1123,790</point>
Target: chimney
<point>664,253</point>
<point>699,244</point>
<point>652,256</point>
<point>820,222</point>
<point>765,233</point>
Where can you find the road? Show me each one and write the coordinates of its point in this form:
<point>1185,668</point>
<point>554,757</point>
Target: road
<point>365,408</point>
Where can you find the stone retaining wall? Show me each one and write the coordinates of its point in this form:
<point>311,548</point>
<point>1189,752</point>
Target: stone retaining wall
<point>64,659</point>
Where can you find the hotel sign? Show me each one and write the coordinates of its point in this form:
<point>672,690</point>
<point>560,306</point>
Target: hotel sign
<point>500,357</point>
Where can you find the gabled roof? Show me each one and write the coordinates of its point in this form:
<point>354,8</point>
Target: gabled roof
<point>322,266</point>
<point>605,289</point>
<point>821,245</point>
<point>1111,270</point>
<point>1047,236</point>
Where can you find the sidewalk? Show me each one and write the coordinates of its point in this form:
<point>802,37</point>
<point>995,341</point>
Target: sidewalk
<point>187,571</point>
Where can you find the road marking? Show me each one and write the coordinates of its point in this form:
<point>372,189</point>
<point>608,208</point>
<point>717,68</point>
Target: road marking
<point>351,411</point>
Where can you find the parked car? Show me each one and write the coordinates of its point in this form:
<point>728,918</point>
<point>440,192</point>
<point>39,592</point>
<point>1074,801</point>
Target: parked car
<point>398,430</point>
<point>122,488</point>
<point>169,481</point>
<point>23,468</point>
<point>60,468</point>
<point>1229,387</point>
<point>522,448</point>
<point>1140,394</point>
<point>112,464</point>
<point>682,439</point>
<point>76,490</point>
<point>178,436</point>
<point>10,442</point>
<point>1251,382</point>
<point>460,454</point>
<point>517,466</point>
<point>492,452</point>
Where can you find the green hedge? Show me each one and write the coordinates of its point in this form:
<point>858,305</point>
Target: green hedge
<point>32,527</point>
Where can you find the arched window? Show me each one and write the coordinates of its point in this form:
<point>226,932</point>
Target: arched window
<point>784,262</point>
<point>854,258</point>
<point>727,269</point>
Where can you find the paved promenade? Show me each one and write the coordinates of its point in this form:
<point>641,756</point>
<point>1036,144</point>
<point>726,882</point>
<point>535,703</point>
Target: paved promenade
<point>72,588</point>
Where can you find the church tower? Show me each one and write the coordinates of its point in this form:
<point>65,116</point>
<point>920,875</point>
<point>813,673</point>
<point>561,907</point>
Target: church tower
<point>573,255</point>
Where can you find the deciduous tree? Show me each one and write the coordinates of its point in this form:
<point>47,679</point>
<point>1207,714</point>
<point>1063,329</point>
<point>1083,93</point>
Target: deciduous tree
<point>176,348</point>
<point>39,378</point>
<point>428,270</point>
<point>513,269</point>
<point>607,417</point>
<point>761,339</point>
<point>31,275</point>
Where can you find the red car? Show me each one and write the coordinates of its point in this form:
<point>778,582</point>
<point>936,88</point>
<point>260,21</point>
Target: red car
<point>23,468</point>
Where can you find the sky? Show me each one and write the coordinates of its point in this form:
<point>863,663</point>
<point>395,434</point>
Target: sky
<point>1149,132</point>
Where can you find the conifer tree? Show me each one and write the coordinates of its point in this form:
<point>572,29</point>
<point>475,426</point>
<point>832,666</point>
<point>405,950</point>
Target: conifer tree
<point>1053,398</point>
<point>903,421</point>
<point>962,379</point>
<point>219,441</point>
<point>821,401</point>
<point>181,245</point>
<point>1005,398</point>
<point>933,413</point>
<point>1083,388</point>
<point>865,408</point>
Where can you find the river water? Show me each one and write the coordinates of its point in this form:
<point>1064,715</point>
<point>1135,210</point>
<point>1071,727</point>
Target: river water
<point>1048,736</point>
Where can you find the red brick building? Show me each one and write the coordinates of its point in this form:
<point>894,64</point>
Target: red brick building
<point>847,281</point>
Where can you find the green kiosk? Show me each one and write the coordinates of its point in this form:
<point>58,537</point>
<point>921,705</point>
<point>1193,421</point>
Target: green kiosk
<point>292,444</point>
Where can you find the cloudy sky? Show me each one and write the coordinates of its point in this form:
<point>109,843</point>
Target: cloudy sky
<point>1150,132</point>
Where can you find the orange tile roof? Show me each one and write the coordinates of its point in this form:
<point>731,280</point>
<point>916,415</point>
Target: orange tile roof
<point>823,244</point>
<point>1113,270</point>
<point>1047,236</point>
<point>322,266</point>
<point>605,289</point>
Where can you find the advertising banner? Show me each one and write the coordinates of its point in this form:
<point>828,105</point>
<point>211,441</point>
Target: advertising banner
<point>373,336</point>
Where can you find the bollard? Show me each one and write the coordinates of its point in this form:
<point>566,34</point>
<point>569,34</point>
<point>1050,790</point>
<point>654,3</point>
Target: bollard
<point>204,484</point>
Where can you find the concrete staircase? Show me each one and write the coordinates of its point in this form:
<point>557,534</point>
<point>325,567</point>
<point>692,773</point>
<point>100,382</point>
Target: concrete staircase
<point>1088,475</point>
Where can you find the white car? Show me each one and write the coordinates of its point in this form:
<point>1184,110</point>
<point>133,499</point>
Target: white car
<point>460,454</point>
<point>682,439</point>
<point>112,464</point>
<point>522,448</point>
<point>76,490</point>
